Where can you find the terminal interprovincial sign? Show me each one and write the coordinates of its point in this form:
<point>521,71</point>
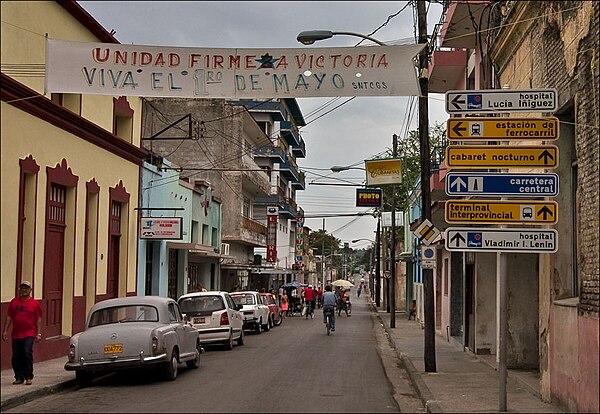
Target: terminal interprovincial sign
<point>487,156</point>
<point>501,212</point>
<point>504,129</point>
<point>501,184</point>
<point>501,100</point>
<point>501,240</point>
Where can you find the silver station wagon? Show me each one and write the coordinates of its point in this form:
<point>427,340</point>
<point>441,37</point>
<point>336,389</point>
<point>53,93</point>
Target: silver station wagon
<point>133,332</point>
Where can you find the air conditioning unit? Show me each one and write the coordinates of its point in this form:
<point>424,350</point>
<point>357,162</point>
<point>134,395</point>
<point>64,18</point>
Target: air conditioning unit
<point>225,249</point>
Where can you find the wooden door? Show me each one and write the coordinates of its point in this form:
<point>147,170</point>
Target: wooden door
<point>54,257</point>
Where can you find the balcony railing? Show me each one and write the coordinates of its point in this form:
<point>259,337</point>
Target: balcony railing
<point>289,133</point>
<point>276,154</point>
<point>254,226</point>
<point>299,151</point>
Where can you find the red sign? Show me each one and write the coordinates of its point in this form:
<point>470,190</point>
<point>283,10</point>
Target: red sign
<point>271,253</point>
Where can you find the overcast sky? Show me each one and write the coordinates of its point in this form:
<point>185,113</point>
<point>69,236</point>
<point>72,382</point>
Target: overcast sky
<point>348,135</point>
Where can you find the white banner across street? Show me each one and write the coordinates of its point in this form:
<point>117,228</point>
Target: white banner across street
<point>187,72</point>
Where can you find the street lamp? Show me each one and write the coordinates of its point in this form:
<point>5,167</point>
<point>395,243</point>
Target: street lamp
<point>340,168</point>
<point>311,36</point>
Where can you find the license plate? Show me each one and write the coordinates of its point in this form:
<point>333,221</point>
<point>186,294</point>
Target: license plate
<point>199,320</point>
<point>113,348</point>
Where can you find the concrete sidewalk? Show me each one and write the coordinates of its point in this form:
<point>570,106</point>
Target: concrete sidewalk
<point>463,382</point>
<point>49,377</point>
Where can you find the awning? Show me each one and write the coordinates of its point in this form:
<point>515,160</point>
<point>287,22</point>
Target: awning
<point>195,249</point>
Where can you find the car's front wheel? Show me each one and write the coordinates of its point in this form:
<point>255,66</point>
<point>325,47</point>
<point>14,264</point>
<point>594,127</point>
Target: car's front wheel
<point>240,340</point>
<point>169,369</point>
<point>279,319</point>
<point>267,326</point>
<point>258,327</point>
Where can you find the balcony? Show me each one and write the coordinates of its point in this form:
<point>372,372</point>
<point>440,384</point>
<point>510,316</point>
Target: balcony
<point>458,31</point>
<point>301,183</point>
<point>275,108</point>
<point>299,151</point>
<point>249,232</point>
<point>447,70</point>
<point>275,154</point>
<point>289,169</point>
<point>289,208</point>
<point>271,200</point>
<point>290,133</point>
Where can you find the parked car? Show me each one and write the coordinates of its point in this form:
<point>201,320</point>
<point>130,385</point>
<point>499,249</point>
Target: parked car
<point>256,315</point>
<point>216,317</point>
<point>275,313</point>
<point>132,332</point>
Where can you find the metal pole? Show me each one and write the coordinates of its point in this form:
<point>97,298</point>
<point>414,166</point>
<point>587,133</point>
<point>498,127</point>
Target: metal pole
<point>428,295</point>
<point>323,256</point>
<point>502,321</point>
<point>378,266</point>
<point>392,297</point>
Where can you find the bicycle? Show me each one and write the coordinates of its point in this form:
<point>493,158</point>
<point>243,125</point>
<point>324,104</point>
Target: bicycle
<point>328,314</point>
<point>309,310</point>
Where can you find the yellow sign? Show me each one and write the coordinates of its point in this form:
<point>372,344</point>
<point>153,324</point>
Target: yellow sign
<point>383,172</point>
<point>503,128</point>
<point>501,212</point>
<point>490,156</point>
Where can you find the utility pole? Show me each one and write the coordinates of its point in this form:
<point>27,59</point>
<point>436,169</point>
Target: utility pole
<point>378,266</point>
<point>392,298</point>
<point>323,256</point>
<point>428,299</point>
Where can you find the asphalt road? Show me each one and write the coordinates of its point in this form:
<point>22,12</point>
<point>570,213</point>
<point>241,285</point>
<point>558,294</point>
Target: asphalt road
<point>295,367</point>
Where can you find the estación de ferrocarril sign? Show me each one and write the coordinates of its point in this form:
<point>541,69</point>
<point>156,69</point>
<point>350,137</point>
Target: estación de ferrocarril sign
<point>164,71</point>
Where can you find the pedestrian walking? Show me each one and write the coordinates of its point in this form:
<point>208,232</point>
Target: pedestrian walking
<point>284,304</point>
<point>25,316</point>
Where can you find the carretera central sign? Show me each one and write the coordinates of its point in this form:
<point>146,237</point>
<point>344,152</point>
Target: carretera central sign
<point>141,70</point>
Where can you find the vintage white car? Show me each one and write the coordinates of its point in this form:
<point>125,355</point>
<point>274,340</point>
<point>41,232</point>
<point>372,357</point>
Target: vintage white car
<point>256,315</point>
<point>132,332</point>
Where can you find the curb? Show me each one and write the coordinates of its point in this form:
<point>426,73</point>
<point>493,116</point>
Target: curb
<point>424,393</point>
<point>34,394</point>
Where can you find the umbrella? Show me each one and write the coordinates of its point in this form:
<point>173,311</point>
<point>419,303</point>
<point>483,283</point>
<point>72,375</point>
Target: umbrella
<point>342,283</point>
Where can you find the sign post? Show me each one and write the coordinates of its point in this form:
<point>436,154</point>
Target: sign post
<point>503,240</point>
<point>488,156</point>
<point>504,129</point>
<point>501,100</point>
<point>502,185</point>
<point>508,240</point>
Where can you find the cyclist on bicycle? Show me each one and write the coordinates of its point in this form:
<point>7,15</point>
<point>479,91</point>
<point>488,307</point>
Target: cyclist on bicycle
<point>309,300</point>
<point>329,300</point>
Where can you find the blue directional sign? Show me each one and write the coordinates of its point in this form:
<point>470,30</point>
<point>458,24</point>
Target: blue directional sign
<point>501,184</point>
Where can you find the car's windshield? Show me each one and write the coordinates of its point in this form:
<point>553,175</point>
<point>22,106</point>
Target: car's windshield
<point>120,314</point>
<point>208,303</point>
<point>244,299</point>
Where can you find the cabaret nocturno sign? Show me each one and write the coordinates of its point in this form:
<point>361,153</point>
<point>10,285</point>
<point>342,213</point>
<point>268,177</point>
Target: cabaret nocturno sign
<point>164,71</point>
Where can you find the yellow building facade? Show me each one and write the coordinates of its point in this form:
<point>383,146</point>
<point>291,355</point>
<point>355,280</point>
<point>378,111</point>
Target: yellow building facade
<point>70,168</point>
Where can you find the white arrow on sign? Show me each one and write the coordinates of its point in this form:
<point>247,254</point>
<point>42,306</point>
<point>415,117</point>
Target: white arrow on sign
<point>501,240</point>
<point>458,183</point>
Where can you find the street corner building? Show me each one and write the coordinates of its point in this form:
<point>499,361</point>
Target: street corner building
<point>70,178</point>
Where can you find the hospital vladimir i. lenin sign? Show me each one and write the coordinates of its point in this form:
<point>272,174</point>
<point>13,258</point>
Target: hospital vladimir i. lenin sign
<point>162,71</point>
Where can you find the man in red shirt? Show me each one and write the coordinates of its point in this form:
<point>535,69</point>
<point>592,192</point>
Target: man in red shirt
<point>25,315</point>
<point>309,298</point>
